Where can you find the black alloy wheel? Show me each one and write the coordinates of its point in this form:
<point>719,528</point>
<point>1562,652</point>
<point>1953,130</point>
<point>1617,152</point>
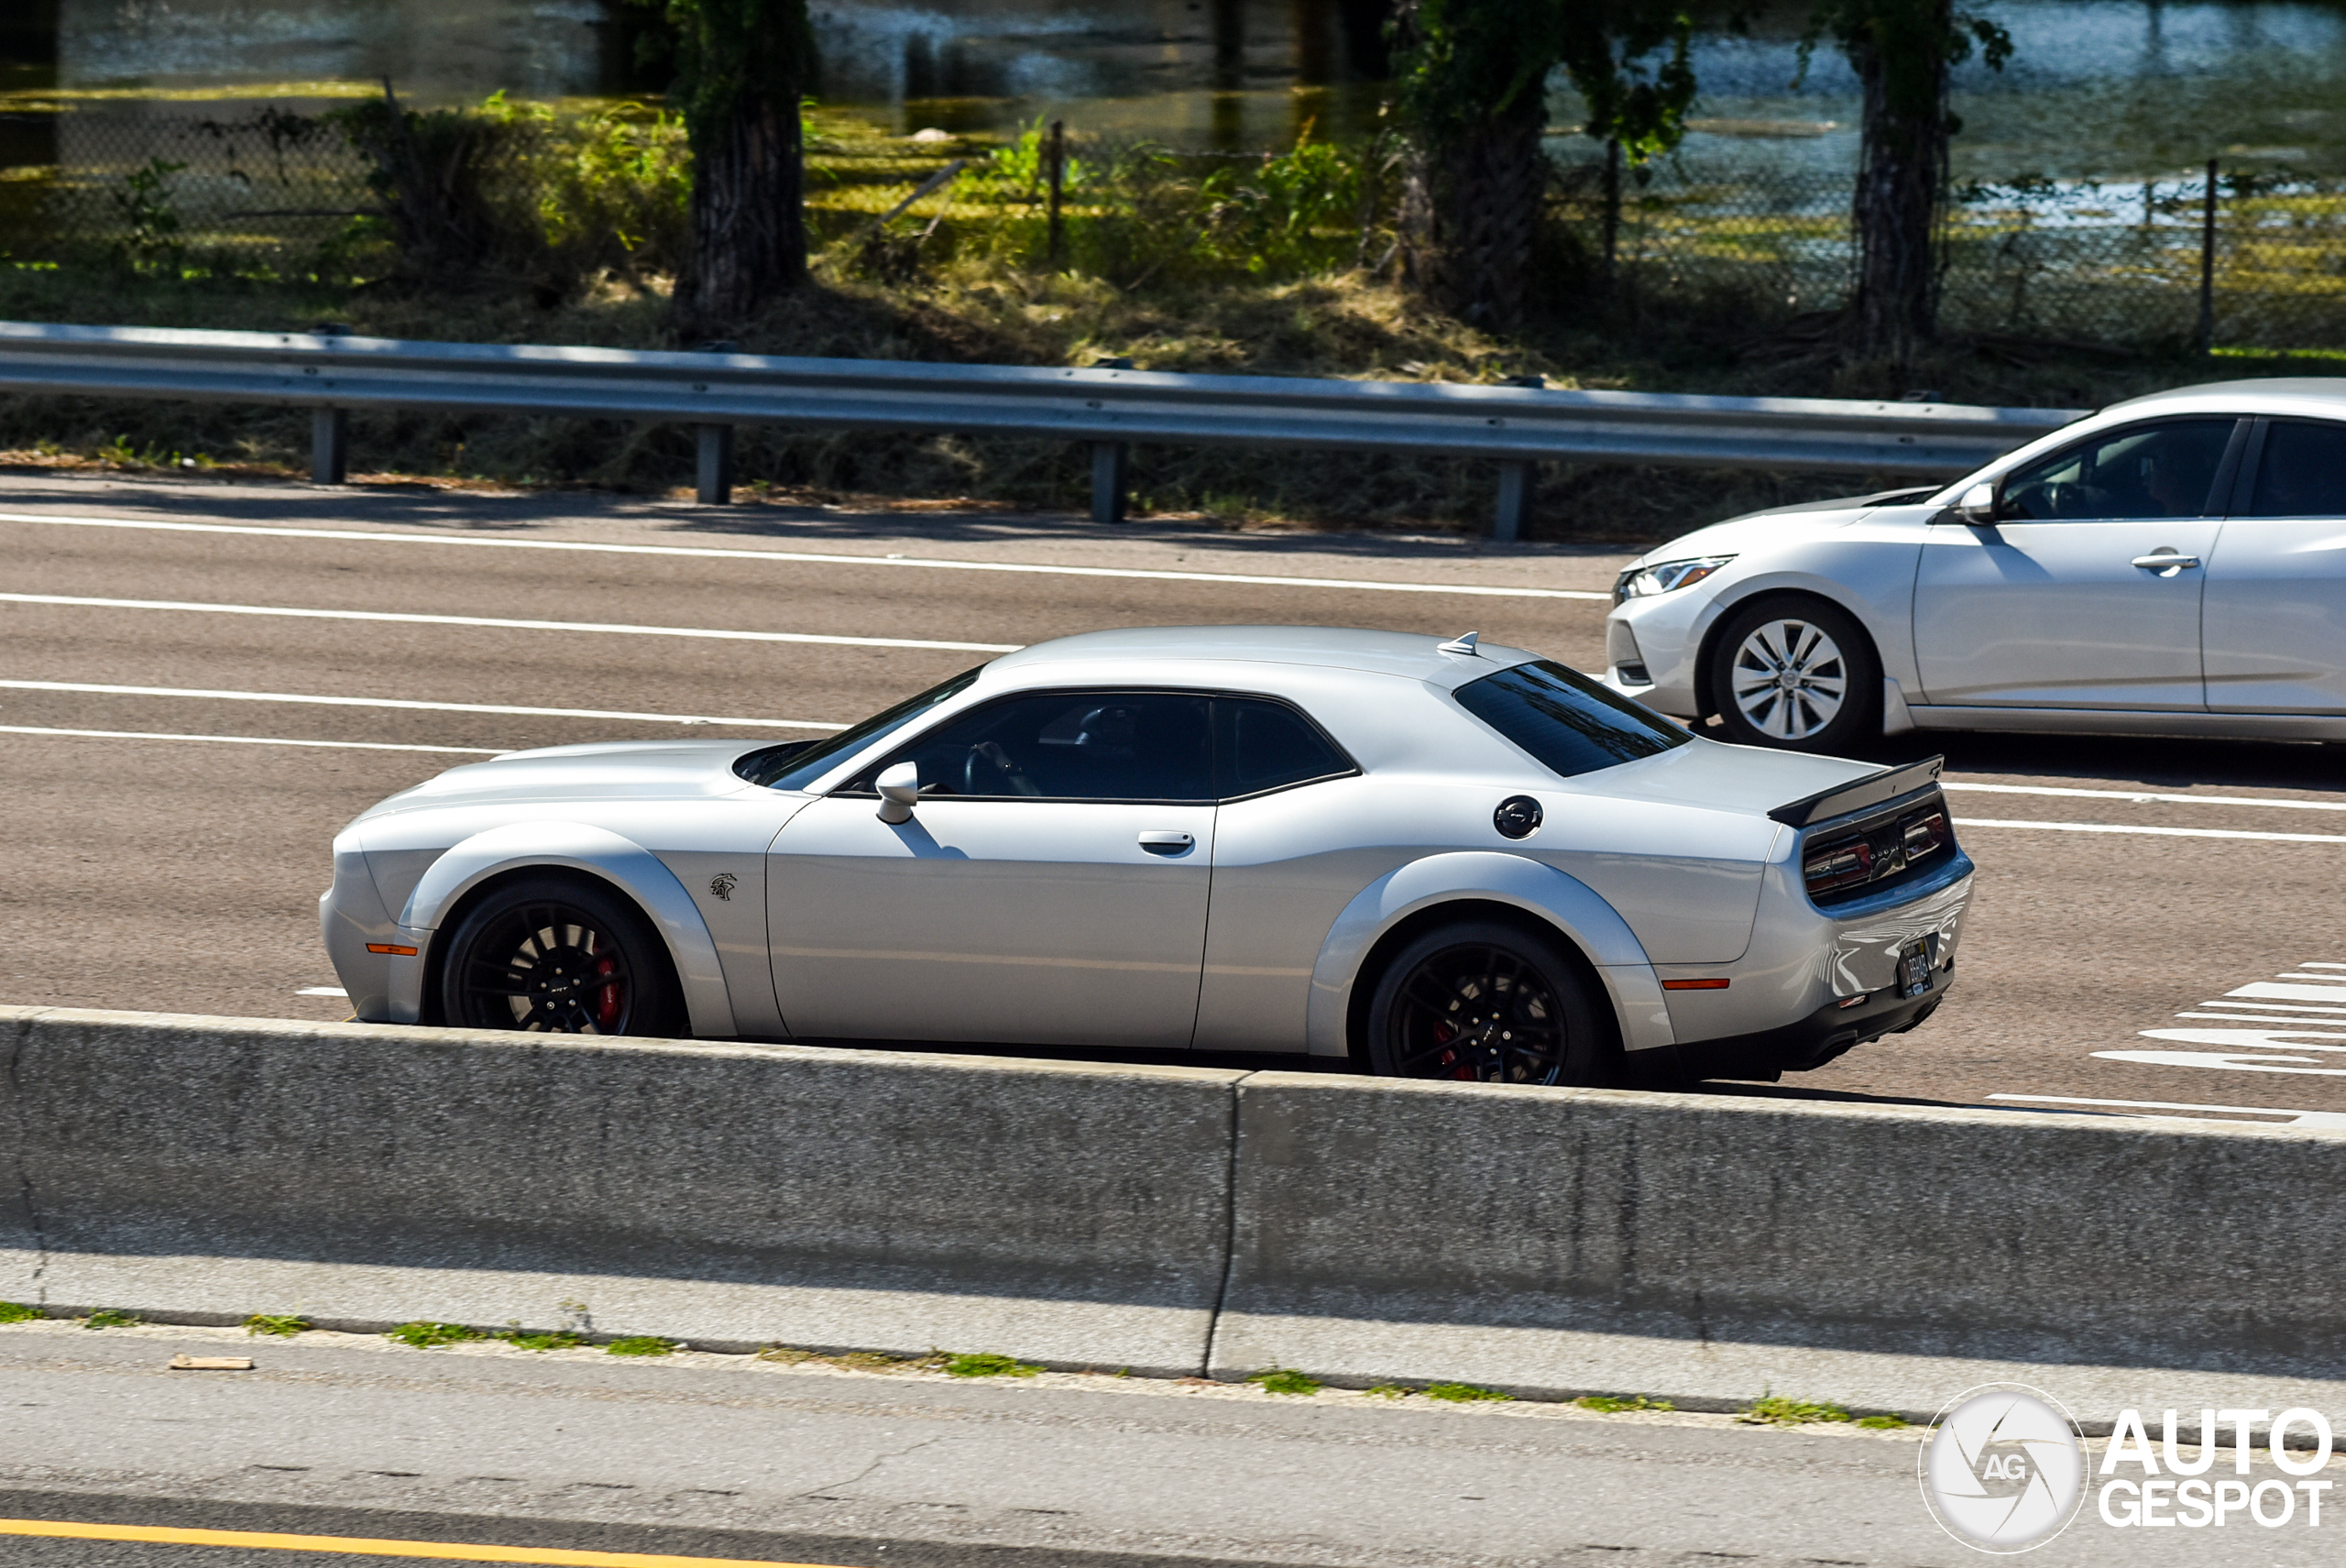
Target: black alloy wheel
<point>560,957</point>
<point>1486,1002</point>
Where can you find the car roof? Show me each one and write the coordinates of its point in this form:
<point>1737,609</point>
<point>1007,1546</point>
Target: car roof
<point>2324,395</point>
<point>1089,655</point>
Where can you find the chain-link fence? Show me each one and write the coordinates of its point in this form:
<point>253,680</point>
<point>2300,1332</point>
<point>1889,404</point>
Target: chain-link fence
<point>357,190</point>
<point>2116,263</point>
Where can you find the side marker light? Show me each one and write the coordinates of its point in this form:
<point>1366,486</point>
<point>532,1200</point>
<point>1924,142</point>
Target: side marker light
<point>1693,985</point>
<point>390,948</point>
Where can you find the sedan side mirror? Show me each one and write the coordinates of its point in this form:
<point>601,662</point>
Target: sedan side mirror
<point>1978,506</point>
<point>899,792</point>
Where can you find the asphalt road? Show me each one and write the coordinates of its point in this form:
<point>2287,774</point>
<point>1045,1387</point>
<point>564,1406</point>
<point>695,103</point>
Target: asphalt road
<point>152,857</point>
<point>728,1456</point>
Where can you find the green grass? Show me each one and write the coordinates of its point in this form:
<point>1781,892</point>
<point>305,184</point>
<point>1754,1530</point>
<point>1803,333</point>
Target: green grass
<point>1613,1404</point>
<point>1388,1391</point>
<point>561,1339</point>
<point>1883,1424</point>
<point>1281,1380</point>
<point>282,1325</point>
<point>642,1344</point>
<point>109,1318</point>
<point>1463,1393</point>
<point>18,1312</point>
<point>430,1336</point>
<point>1776,1410</point>
<point>987,1364</point>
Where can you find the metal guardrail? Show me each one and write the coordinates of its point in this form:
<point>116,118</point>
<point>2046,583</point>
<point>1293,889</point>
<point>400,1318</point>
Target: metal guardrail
<point>1109,406</point>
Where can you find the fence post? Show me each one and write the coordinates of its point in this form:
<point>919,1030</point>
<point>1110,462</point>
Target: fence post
<point>1057,154</point>
<point>1108,481</point>
<point>329,445</point>
<point>716,465</point>
<point>2207,336</point>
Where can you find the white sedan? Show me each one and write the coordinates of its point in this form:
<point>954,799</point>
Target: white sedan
<point>2171,566</point>
<point>1435,859</point>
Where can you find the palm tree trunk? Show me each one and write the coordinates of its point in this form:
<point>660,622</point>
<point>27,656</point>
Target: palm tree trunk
<point>1470,208</point>
<point>1900,204</point>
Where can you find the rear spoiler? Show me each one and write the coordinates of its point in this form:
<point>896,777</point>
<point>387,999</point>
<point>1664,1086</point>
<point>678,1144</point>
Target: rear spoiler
<point>1842,799</point>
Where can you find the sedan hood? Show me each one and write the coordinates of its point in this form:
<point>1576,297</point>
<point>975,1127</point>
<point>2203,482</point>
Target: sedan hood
<point>1739,534</point>
<point>1732,778</point>
<point>630,769</point>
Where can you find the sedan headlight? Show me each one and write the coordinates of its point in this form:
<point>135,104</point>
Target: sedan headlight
<point>1644,582</point>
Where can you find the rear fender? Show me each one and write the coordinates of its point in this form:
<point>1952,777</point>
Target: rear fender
<point>574,846</point>
<point>1539,890</point>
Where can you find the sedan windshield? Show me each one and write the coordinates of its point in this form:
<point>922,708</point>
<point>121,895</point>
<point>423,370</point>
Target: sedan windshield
<point>796,766</point>
<point>1569,723</point>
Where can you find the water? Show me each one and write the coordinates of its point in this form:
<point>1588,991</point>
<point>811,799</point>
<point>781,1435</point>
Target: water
<point>2114,88</point>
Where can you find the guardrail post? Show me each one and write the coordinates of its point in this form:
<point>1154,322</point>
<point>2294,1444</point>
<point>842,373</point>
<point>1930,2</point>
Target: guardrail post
<point>1108,480</point>
<point>329,445</point>
<point>716,464</point>
<point>1515,501</point>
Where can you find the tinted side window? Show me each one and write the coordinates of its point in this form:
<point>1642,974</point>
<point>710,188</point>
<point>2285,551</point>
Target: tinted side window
<point>1262,745</point>
<point>2302,472</point>
<point>1067,746</point>
<point>2141,471</point>
<point>1569,723</point>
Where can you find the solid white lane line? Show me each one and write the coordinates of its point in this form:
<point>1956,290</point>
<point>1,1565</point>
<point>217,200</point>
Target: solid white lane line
<point>813,558</point>
<point>321,991</point>
<point>2160,832</point>
<point>2278,1009</point>
<point>2142,798</point>
<point>409,703</point>
<point>2316,963</point>
<point>2285,1025</point>
<point>410,620</point>
<point>246,740</point>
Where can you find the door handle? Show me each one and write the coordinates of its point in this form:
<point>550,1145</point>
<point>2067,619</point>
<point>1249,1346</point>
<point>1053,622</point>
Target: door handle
<point>1165,841</point>
<point>2165,562</point>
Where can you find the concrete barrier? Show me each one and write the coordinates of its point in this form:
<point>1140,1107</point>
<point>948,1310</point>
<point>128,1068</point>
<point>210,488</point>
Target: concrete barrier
<point>1543,1241</point>
<point>1558,1242</point>
<point>723,1194</point>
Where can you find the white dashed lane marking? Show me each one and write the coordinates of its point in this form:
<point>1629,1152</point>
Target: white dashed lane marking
<point>2299,1028</point>
<point>244,741</point>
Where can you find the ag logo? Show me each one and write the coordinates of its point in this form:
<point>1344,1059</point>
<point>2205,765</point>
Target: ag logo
<point>2002,1471</point>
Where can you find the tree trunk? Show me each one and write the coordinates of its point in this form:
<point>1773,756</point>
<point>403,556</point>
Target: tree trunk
<point>749,233</point>
<point>1901,200</point>
<point>1470,208</point>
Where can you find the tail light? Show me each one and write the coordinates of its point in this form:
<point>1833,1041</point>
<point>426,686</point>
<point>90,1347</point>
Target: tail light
<point>1846,864</point>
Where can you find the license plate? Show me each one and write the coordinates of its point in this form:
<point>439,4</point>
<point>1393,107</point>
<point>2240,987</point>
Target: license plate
<point>1914,968</point>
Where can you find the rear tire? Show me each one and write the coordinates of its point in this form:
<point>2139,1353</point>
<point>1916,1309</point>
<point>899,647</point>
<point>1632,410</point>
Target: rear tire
<point>1486,1002</point>
<point>1797,675</point>
<point>559,955</point>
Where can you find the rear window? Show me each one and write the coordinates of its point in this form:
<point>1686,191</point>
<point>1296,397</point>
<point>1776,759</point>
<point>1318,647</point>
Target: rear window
<point>1569,723</point>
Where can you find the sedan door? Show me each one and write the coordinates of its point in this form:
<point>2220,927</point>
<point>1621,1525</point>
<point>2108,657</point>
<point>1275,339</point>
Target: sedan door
<point>2274,619</point>
<point>1049,888</point>
<point>2085,591</point>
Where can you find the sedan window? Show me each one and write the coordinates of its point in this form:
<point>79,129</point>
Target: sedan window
<point>2143,471</point>
<point>797,765</point>
<point>1569,723</point>
<point>2302,472</point>
<point>1067,746</point>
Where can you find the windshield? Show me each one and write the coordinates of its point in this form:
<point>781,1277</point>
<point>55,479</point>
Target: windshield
<point>1569,723</point>
<point>796,765</point>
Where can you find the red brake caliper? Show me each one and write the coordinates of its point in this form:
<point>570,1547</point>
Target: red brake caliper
<point>607,1005</point>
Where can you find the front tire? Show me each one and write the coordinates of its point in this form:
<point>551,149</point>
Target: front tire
<point>1486,1002</point>
<point>562,956</point>
<point>1797,675</point>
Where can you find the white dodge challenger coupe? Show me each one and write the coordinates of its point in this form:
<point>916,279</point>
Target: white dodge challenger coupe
<point>1438,860</point>
<point>2171,566</point>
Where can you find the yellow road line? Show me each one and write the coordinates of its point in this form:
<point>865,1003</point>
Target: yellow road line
<point>360,1546</point>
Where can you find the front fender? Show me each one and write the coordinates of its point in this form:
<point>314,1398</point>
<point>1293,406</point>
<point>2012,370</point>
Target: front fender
<point>627,865</point>
<point>1561,900</point>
